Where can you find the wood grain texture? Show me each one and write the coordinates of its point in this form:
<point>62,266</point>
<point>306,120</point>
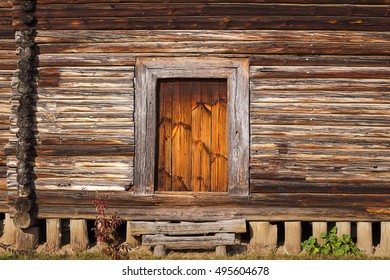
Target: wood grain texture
<point>214,207</point>
<point>8,60</point>
<point>317,116</point>
<point>189,242</point>
<point>364,237</point>
<point>236,73</point>
<point>342,139</point>
<point>196,144</point>
<point>263,237</point>
<point>190,15</point>
<point>185,228</point>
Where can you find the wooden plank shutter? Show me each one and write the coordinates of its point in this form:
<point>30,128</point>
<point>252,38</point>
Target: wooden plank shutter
<point>192,135</point>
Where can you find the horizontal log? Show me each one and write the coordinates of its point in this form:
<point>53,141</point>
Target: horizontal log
<point>376,2</point>
<point>316,138</point>
<point>189,242</point>
<point>290,186</point>
<point>222,47</point>
<point>362,131</point>
<point>213,213</point>
<point>321,84</point>
<point>87,59</point>
<point>83,150</point>
<point>125,199</point>
<point>264,72</point>
<point>319,119</point>
<point>140,228</point>
<point>4,207</point>
<point>205,10</point>
<point>120,59</point>
<point>6,4</point>
<point>123,36</point>
<point>217,22</point>
<point>344,98</point>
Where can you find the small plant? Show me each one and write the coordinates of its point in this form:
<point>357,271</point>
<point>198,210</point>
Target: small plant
<point>105,231</point>
<point>331,245</point>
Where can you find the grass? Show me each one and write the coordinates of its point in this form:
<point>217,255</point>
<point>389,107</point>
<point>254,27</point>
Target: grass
<point>144,254</point>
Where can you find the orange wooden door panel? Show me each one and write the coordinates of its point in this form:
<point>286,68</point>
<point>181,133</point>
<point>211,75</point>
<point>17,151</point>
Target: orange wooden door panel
<point>192,135</point>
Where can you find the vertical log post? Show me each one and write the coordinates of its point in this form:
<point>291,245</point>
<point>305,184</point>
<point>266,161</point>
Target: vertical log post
<point>79,235</point>
<point>221,251</point>
<point>159,251</point>
<point>385,239</point>
<point>318,228</point>
<point>53,235</point>
<point>343,228</point>
<point>133,241</point>
<point>263,236</point>
<point>364,237</point>
<point>27,239</point>
<point>9,231</point>
<point>292,239</point>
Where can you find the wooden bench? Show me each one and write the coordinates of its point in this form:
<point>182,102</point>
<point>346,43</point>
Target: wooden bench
<point>188,235</point>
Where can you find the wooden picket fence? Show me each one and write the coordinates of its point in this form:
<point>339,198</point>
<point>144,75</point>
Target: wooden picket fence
<point>372,238</point>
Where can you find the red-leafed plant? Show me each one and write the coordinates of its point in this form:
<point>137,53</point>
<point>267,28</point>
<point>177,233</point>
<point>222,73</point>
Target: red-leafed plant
<point>105,230</point>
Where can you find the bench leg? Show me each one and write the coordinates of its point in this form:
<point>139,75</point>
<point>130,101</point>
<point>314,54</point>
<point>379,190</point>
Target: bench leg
<point>160,251</point>
<point>221,251</point>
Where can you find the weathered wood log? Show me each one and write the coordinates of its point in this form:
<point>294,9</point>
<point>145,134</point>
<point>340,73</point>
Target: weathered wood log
<point>29,20</point>
<point>25,134</point>
<point>9,231</point>
<point>53,235</point>
<point>27,6</point>
<point>343,228</point>
<point>215,22</point>
<point>189,242</point>
<point>27,53</point>
<point>25,76</point>
<point>25,190</point>
<point>23,204</point>
<point>364,237</point>
<point>190,207</point>
<point>385,239</point>
<point>79,241</point>
<point>25,65</point>
<point>292,237</point>
<point>263,236</point>
<point>27,31</point>
<point>26,42</point>
<point>159,251</point>
<point>26,100</point>
<point>24,220</point>
<point>221,251</point>
<point>132,240</point>
<point>25,88</point>
<point>26,122</point>
<point>209,10</point>
<point>186,228</point>
<point>27,239</point>
<point>318,228</point>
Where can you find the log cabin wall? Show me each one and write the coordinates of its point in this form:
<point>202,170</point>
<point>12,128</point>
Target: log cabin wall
<point>8,60</point>
<point>319,109</point>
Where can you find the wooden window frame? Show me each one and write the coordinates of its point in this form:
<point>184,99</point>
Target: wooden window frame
<point>148,71</point>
